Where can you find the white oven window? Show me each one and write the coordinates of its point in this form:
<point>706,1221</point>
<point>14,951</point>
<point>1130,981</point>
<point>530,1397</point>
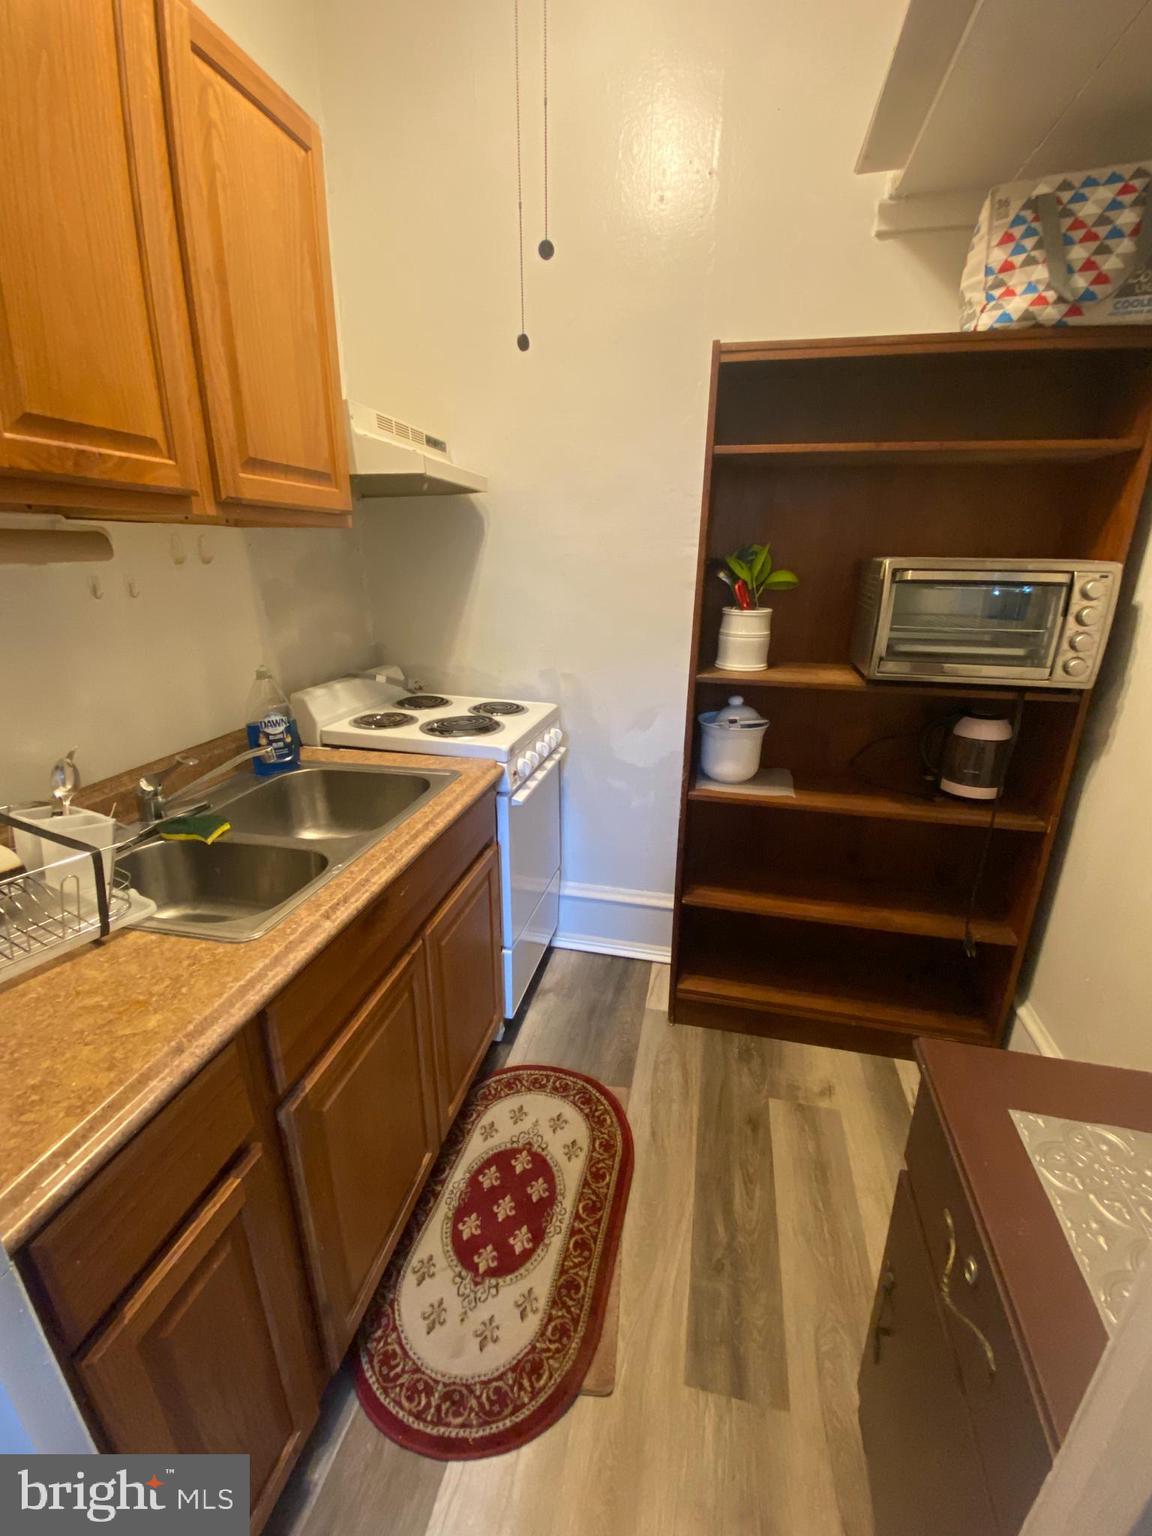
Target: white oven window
<point>988,624</point>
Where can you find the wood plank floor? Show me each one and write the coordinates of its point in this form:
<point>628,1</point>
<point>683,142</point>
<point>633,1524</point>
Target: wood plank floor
<point>759,1206</point>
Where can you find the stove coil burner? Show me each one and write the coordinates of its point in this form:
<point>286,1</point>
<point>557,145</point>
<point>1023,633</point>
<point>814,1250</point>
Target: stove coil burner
<point>499,707</point>
<point>462,725</point>
<point>423,701</point>
<point>385,722</point>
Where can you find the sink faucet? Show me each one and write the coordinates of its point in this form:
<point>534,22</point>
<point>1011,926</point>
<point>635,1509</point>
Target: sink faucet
<point>151,801</point>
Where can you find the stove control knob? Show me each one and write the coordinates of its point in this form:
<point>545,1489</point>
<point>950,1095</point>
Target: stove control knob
<point>523,768</point>
<point>1092,589</point>
<point>555,737</point>
<point>532,757</point>
<point>542,748</point>
<point>1075,666</point>
<point>1088,616</point>
<point>1081,640</point>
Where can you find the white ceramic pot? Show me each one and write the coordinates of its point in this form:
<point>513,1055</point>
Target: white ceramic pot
<point>744,637</point>
<point>730,742</point>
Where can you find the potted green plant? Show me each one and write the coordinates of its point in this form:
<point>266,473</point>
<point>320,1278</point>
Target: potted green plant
<point>746,627</point>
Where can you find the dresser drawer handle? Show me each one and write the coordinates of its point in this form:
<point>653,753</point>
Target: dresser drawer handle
<point>881,1330</point>
<point>946,1294</point>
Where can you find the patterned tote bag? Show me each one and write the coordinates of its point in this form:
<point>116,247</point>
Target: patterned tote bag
<point>1064,250</point>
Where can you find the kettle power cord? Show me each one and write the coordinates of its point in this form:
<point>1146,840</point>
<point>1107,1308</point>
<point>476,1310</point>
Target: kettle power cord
<point>986,845</point>
<point>968,942</point>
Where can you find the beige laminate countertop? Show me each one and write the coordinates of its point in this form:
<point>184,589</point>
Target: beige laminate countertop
<point>94,1045</point>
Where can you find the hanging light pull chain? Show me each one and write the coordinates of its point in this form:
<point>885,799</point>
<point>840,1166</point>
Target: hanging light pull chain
<point>546,248</point>
<point>522,340</point>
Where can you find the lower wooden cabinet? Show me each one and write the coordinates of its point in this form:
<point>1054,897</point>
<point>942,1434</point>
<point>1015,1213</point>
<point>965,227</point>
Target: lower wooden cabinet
<point>462,943</point>
<point>362,1132</point>
<point>210,1350</point>
<point>924,1466</point>
<point>194,1305</point>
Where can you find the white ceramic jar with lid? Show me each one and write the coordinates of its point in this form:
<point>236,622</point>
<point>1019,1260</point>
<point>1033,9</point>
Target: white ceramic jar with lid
<point>730,741</point>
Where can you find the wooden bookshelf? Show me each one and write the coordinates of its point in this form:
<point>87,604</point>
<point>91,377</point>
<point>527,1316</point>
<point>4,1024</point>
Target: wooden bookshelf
<point>866,909</point>
<point>983,451</point>
<point>832,1002</point>
<point>848,797</point>
<point>841,677</point>
<point>922,912</point>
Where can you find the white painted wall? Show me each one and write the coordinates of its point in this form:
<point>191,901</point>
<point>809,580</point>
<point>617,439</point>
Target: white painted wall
<point>1089,996</point>
<point>702,186</point>
<point>130,678</point>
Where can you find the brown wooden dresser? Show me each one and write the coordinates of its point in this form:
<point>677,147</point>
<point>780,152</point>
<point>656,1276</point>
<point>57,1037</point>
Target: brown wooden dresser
<point>984,1333</point>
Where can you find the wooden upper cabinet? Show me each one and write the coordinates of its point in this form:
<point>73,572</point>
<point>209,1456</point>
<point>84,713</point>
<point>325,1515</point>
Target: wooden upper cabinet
<point>211,1351</point>
<point>250,191</point>
<point>95,365</point>
<point>462,948</point>
<point>361,1133</point>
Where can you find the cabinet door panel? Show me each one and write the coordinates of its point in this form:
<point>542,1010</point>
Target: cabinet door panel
<point>1005,1415</point>
<point>361,1132</point>
<point>463,948</point>
<point>208,1353</point>
<point>923,1464</point>
<point>255,235</point>
<point>94,347</point>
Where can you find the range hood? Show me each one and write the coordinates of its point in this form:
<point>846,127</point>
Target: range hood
<point>389,457</point>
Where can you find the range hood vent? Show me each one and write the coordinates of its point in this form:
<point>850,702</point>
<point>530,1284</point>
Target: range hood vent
<point>390,457</point>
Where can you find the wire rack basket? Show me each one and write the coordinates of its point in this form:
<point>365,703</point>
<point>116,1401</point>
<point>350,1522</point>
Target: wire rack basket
<point>48,910</point>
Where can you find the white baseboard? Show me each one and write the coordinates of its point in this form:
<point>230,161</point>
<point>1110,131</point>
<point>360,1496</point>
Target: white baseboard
<point>662,953</point>
<point>1035,1040</point>
<point>611,920</point>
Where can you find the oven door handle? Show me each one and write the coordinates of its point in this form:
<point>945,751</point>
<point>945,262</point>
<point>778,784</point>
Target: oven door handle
<point>1022,578</point>
<point>530,786</point>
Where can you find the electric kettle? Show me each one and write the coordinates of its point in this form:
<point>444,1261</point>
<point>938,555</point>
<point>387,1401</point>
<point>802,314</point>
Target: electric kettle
<point>973,756</point>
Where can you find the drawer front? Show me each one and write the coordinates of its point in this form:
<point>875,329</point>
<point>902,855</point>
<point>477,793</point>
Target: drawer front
<point>1005,1415</point>
<point>102,1239</point>
<point>315,1005</point>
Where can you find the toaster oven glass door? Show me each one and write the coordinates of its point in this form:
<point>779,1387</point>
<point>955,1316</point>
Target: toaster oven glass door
<point>942,621</point>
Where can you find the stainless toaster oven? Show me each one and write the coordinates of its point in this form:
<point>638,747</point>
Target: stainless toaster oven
<point>1040,622</point>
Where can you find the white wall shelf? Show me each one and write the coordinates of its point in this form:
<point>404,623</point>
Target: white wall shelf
<point>985,91</point>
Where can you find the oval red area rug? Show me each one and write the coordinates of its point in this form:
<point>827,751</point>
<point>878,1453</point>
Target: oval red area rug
<point>489,1314</point>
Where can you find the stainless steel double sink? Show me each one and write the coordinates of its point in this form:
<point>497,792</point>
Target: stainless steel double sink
<point>290,834</point>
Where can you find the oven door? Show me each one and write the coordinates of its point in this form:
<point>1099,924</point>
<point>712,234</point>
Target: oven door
<point>528,831</point>
<point>1002,625</point>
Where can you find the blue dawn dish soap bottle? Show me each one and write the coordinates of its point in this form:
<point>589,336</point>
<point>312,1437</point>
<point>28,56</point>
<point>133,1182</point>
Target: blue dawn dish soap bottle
<point>271,724</point>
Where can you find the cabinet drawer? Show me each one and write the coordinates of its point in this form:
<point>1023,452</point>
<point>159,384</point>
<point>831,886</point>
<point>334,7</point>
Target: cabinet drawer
<point>1005,1415</point>
<point>319,1002</point>
<point>93,1250</point>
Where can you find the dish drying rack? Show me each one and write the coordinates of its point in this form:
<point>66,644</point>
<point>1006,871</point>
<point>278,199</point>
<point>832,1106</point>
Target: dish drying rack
<point>41,918</point>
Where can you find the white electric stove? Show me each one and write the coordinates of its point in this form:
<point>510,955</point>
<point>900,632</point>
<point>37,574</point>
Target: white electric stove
<point>523,736</point>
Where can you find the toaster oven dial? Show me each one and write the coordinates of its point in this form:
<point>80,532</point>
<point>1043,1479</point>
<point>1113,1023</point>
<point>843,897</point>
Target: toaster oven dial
<point>1088,616</point>
<point>1075,666</point>
<point>1092,589</point>
<point>1081,641</point>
